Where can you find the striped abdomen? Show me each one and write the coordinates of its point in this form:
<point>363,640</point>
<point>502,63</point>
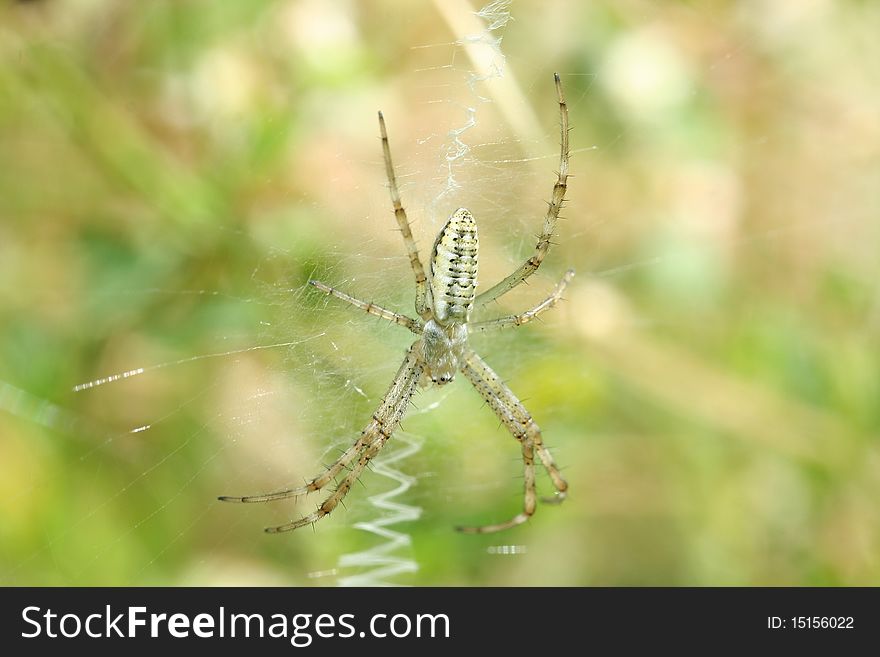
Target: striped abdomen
<point>454,268</point>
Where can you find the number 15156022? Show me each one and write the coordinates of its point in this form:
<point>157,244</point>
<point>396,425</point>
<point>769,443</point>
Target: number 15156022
<point>810,623</point>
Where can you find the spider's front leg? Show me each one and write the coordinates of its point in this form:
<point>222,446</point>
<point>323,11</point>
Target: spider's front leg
<point>372,439</point>
<point>519,422</point>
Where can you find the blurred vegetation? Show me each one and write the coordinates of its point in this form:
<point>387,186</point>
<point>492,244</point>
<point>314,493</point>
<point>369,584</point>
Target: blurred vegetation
<point>171,174</point>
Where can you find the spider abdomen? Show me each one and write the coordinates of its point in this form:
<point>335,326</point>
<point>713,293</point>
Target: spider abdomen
<point>454,268</point>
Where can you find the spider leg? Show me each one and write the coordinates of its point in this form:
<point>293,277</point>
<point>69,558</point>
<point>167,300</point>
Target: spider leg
<point>367,436</point>
<point>401,320</point>
<point>378,425</point>
<point>528,315</point>
<point>519,422</point>
<point>339,494</point>
<point>386,420</point>
<point>529,504</point>
<point>554,206</point>
<point>409,241</point>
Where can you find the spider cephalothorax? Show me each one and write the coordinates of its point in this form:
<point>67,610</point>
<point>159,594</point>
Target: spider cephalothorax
<point>444,304</point>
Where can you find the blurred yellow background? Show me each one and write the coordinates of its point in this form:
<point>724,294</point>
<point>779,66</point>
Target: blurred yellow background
<point>172,173</point>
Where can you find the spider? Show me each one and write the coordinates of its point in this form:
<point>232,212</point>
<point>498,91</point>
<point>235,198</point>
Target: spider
<point>444,301</point>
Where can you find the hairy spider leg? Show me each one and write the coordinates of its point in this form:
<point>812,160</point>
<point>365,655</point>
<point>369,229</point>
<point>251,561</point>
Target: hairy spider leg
<point>519,422</point>
<point>554,206</point>
<point>528,315</point>
<point>413,325</point>
<point>409,241</point>
<point>383,421</point>
<point>404,387</point>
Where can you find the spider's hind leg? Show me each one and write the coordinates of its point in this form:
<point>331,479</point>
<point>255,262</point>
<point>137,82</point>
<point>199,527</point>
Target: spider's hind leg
<point>409,241</point>
<point>554,206</point>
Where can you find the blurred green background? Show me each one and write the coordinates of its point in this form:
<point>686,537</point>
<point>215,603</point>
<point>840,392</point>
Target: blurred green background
<point>172,173</point>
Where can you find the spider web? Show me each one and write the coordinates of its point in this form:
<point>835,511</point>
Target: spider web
<point>481,44</point>
<point>284,388</point>
<point>261,425</point>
